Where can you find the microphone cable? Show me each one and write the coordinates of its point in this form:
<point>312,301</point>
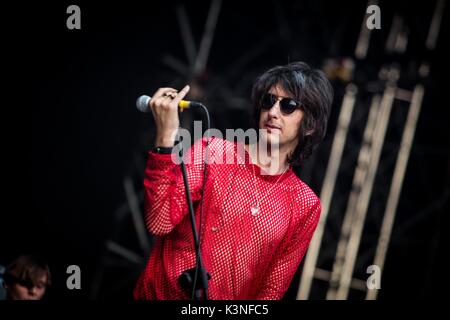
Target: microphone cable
<point>198,242</point>
<point>205,162</point>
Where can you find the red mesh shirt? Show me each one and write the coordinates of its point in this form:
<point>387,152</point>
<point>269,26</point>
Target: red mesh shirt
<point>247,256</point>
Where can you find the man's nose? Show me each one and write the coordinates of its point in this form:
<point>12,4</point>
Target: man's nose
<point>274,111</point>
<point>32,291</point>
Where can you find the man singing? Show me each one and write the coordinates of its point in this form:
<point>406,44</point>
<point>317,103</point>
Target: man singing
<point>257,221</point>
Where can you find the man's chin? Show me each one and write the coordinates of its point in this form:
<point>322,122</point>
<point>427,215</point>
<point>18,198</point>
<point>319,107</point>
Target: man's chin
<point>270,138</point>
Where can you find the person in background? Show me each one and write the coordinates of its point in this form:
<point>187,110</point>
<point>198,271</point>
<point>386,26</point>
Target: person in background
<point>26,278</point>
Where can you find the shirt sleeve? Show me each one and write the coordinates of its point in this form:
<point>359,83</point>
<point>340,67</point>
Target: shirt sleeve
<point>165,202</point>
<point>288,257</point>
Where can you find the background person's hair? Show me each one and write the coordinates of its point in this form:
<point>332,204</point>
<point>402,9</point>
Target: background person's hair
<point>27,270</point>
<point>312,89</point>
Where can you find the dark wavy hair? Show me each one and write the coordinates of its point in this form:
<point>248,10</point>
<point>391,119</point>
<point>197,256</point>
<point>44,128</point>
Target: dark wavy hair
<point>27,270</point>
<point>312,89</point>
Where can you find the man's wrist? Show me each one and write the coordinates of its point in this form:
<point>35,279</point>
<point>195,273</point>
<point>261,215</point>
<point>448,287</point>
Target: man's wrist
<point>166,139</point>
<point>163,150</point>
<point>165,143</point>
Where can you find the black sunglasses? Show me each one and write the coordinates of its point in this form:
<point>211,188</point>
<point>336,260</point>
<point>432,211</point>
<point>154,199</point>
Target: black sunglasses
<point>287,105</point>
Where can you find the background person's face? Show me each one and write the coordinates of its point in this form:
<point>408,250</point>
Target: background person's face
<point>17,291</point>
<point>285,126</point>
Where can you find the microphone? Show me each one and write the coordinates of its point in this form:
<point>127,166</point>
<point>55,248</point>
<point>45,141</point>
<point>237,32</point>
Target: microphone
<point>142,104</point>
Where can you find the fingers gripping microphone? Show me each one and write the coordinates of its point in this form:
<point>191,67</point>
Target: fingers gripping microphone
<point>142,104</point>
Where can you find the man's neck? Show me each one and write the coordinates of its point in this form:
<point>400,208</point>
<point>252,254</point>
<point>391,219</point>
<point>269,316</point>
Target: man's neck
<point>271,162</point>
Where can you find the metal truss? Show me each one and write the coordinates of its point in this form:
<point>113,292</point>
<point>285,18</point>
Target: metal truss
<point>340,278</point>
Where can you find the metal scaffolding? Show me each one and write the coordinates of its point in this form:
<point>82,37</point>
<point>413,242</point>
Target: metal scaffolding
<point>341,277</point>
